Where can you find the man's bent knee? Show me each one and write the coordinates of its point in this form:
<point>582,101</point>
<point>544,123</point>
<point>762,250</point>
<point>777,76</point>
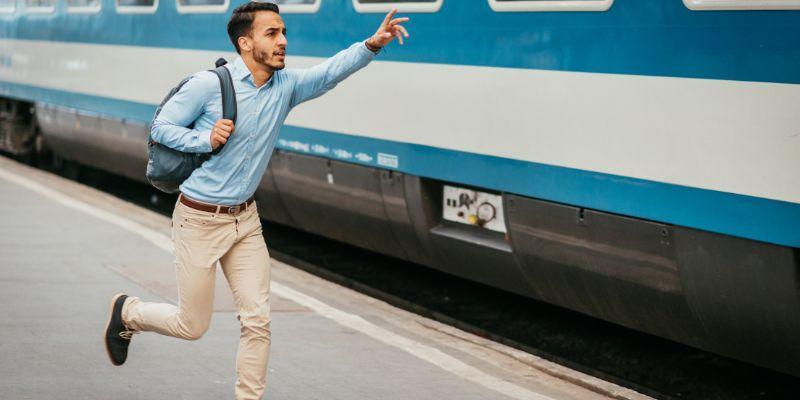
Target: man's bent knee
<point>192,331</point>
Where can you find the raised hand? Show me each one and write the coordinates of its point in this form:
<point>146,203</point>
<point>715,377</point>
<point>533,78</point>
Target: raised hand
<point>221,132</point>
<point>390,28</point>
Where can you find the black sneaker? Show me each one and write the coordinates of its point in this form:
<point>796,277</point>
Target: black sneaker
<point>118,337</point>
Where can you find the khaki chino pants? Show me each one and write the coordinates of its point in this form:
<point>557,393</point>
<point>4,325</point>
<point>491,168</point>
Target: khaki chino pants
<point>201,239</point>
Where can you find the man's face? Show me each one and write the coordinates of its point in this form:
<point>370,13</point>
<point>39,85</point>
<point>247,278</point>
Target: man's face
<point>268,40</point>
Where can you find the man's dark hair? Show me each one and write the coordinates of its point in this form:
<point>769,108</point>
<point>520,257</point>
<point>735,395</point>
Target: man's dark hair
<point>241,22</point>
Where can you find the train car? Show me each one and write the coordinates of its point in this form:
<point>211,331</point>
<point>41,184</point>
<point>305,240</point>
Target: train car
<point>636,161</point>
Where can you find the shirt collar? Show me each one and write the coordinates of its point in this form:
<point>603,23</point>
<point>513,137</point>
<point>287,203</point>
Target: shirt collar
<point>239,70</point>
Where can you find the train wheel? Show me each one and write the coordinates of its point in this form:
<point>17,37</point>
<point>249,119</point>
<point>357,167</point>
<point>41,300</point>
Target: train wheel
<point>17,129</point>
<point>40,152</point>
<point>66,168</point>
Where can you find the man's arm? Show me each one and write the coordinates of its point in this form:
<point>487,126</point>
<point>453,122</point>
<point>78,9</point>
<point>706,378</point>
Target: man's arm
<point>315,81</point>
<point>181,110</point>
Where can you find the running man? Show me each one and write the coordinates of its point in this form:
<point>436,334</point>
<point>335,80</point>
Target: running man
<point>215,218</point>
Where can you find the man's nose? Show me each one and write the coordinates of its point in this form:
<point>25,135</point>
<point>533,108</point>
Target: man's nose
<point>282,41</point>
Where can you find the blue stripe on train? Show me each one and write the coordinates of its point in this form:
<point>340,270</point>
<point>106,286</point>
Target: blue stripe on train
<point>737,215</point>
<point>120,109</point>
<point>653,37</point>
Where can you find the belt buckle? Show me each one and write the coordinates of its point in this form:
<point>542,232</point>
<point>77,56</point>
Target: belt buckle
<point>234,210</point>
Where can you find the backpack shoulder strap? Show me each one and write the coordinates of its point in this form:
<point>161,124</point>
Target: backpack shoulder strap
<point>228,95</point>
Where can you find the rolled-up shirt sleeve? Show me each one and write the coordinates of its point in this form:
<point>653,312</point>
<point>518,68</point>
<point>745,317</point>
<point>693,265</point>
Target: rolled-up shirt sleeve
<point>315,81</point>
<point>170,127</point>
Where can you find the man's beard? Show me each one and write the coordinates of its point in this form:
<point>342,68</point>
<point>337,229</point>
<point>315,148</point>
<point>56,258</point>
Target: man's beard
<point>262,58</point>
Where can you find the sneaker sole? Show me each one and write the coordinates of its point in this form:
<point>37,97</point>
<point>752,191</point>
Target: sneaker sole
<point>108,324</point>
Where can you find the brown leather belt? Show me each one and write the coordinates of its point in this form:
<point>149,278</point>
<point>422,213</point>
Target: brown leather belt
<point>215,208</point>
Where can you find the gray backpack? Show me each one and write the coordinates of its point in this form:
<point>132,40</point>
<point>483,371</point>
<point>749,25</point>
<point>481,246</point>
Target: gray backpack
<point>167,168</point>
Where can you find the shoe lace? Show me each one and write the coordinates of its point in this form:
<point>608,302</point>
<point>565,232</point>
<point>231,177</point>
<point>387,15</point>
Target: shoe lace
<point>127,335</point>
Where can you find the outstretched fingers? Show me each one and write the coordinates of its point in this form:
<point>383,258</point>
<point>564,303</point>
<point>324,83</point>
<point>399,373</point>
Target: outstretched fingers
<point>391,28</point>
<point>401,28</point>
<point>399,20</point>
<point>389,16</point>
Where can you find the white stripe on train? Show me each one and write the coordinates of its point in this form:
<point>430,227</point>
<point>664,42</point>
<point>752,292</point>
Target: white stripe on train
<point>738,137</point>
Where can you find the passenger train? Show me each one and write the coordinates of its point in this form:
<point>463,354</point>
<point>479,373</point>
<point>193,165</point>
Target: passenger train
<point>636,161</point>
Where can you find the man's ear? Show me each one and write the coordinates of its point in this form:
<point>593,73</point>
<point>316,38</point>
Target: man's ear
<point>244,44</point>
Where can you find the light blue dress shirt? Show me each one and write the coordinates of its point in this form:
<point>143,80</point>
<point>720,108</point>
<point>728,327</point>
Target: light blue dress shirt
<point>232,176</point>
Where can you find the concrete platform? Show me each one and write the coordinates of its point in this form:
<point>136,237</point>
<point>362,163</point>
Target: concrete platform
<point>65,249</point>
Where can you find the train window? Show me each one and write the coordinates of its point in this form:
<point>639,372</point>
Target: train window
<point>7,6</point>
<point>550,5</point>
<point>700,5</point>
<point>380,6</point>
<point>202,6</point>
<point>137,6</point>
<point>40,6</point>
<point>298,6</point>
<point>83,6</point>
